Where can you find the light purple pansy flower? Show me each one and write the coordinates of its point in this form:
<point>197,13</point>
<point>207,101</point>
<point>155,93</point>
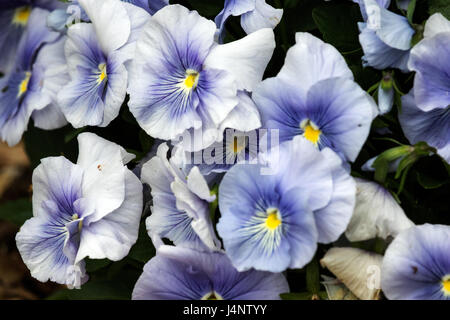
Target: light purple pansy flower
<point>14,17</point>
<point>180,210</point>
<point>430,60</point>
<point>314,96</point>
<point>416,265</point>
<point>255,15</point>
<point>433,126</point>
<point>184,85</point>
<point>88,209</point>
<point>24,89</point>
<point>182,274</point>
<point>96,55</point>
<point>384,36</point>
<point>272,220</point>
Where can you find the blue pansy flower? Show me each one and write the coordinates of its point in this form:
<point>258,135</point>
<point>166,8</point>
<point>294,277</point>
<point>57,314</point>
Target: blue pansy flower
<point>416,265</point>
<point>183,84</point>
<point>384,36</point>
<point>272,220</point>
<point>96,55</point>
<point>182,274</point>
<point>88,209</point>
<point>432,126</point>
<point>14,17</point>
<point>430,60</point>
<point>180,210</point>
<point>255,15</point>
<point>314,96</point>
<point>24,89</point>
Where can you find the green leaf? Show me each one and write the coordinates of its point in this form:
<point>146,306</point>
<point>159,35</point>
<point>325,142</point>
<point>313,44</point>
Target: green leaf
<point>313,277</point>
<point>442,6</point>
<point>93,265</point>
<point>296,296</point>
<point>338,24</point>
<point>143,250</point>
<point>100,290</point>
<point>429,182</point>
<point>16,211</point>
<point>411,8</point>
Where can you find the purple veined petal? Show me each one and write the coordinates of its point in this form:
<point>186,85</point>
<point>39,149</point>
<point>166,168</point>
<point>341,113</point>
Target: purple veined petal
<point>393,29</point>
<point>180,274</point>
<point>379,55</point>
<point>416,266</point>
<point>10,37</point>
<point>311,60</point>
<point>432,80</point>
<point>263,16</point>
<point>179,208</point>
<point>432,127</point>
<point>246,59</point>
<point>232,8</point>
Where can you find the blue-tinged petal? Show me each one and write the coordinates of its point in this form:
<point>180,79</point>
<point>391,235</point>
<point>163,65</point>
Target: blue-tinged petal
<point>180,207</point>
<point>385,99</point>
<point>232,8</point>
<point>429,58</point>
<point>41,243</point>
<point>432,127</point>
<point>113,236</point>
<point>151,6</point>
<point>183,274</point>
<point>379,55</point>
<point>12,30</point>
<point>263,16</point>
<point>246,59</point>
<point>393,29</point>
<point>416,266</point>
<point>332,220</point>
<point>311,60</point>
<point>244,117</point>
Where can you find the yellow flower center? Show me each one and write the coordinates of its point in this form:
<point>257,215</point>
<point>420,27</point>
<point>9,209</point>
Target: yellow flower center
<point>23,87</point>
<point>191,80</point>
<point>238,144</point>
<point>311,131</point>
<point>212,296</point>
<point>446,285</point>
<point>21,15</point>
<point>102,73</point>
<point>273,219</point>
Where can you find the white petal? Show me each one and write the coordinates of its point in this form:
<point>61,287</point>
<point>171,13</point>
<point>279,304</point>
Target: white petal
<point>111,22</point>
<point>244,117</point>
<point>435,24</point>
<point>264,16</point>
<point>246,58</point>
<point>376,214</point>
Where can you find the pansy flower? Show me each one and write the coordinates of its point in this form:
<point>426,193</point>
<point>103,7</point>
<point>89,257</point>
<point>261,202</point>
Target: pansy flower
<point>416,265</point>
<point>180,210</point>
<point>314,96</point>
<point>385,37</point>
<point>272,220</point>
<point>255,15</point>
<point>96,54</point>
<point>433,126</point>
<point>182,274</point>
<point>14,17</point>
<point>24,89</point>
<point>430,60</point>
<point>183,84</point>
<point>88,209</point>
